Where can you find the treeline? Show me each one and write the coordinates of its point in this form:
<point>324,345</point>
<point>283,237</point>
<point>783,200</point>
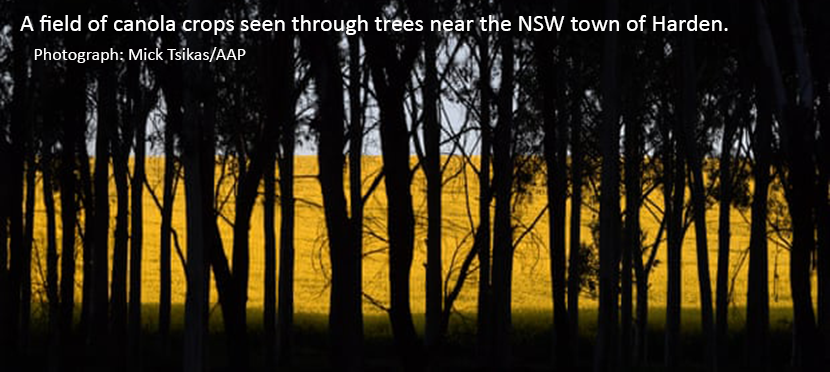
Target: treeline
<point>627,114</point>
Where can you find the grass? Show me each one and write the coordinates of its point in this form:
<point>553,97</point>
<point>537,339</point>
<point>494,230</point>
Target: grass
<point>531,341</point>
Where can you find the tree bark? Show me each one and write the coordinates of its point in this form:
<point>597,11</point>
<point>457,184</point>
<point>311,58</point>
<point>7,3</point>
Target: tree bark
<point>577,174</point>
<point>104,142</point>
<point>278,69</point>
<point>503,183</point>
<point>607,334</point>
<point>686,130</point>
<point>28,239</point>
<point>818,32</point>
<point>120,167</point>
<point>51,240</point>
<point>757,312</point>
<point>432,171</point>
<point>74,110</point>
<point>724,234</point>
<point>797,137</point>
<point>390,73</point>
<point>196,124</point>
<point>53,301</point>
<point>632,232</point>
<point>19,248</point>
<point>142,103</point>
<point>822,58</point>
<point>172,87</point>
<point>285,320</point>
<point>484,304</point>
<point>345,315</point>
<point>556,184</point>
<point>356,127</point>
<point>5,290</point>
<point>269,313</point>
<point>17,159</point>
<point>674,188</point>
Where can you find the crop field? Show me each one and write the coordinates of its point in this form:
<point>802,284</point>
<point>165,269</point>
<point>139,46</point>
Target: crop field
<point>531,276</point>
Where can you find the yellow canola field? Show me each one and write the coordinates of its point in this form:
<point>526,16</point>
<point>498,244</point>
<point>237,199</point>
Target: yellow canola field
<point>531,276</point>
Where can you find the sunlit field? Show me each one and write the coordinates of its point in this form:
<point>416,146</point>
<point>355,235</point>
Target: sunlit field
<point>531,276</point>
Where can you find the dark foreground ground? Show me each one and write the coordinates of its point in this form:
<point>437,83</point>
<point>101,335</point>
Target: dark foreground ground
<point>531,343</point>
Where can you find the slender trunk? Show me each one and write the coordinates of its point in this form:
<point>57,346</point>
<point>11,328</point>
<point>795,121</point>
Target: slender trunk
<point>401,223</point>
<point>196,123</point>
<point>356,193</point>
<point>51,259</point>
<point>269,313</point>
<point>233,287</point>
<point>28,239</point>
<point>104,142</point>
<point>802,182</point>
<point>5,319</point>
<point>234,296</point>
<point>607,337</point>
<point>345,316</point>
<point>51,240</point>
<point>75,113</point>
<point>355,159</point>
<point>139,116</point>
<point>554,142</point>
<point>120,252</point>
<point>823,218</point>
<point>484,305</point>
<point>120,168</point>
<point>757,312</point>
<point>797,138</point>
<point>5,291</point>
<point>390,74</point>
<point>724,234</point>
<point>86,198</point>
<point>87,234</point>
<point>688,123</point>
<point>503,182</point>
<point>173,124</point>
<point>172,128</point>
<point>631,245</point>
<point>800,137</point>
<point>285,122</point>
<point>674,189</point>
<point>641,273</point>
<point>17,158</point>
<point>432,170</point>
<point>575,250</point>
<point>502,175</point>
<point>31,155</point>
<point>818,32</point>
<point>285,320</point>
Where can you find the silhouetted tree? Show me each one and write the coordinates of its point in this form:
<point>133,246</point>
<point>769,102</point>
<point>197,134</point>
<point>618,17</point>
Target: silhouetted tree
<point>502,187</point>
<point>607,334</point>
<point>345,314</point>
<point>432,170</point>
<point>391,64</point>
<point>555,143</point>
<point>482,237</point>
<point>196,132</point>
<point>687,132</point>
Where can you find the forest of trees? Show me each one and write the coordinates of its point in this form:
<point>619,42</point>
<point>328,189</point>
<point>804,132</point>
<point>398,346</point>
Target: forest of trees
<point>720,120</point>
